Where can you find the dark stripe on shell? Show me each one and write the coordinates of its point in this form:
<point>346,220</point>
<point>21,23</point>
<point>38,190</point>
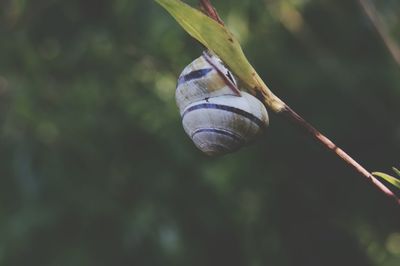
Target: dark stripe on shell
<point>195,74</point>
<point>225,108</point>
<point>219,131</point>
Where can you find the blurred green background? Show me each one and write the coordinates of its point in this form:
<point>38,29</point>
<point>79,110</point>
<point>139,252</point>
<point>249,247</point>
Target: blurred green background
<point>95,168</point>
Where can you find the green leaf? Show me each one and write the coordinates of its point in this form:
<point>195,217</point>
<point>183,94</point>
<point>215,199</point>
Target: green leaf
<point>218,39</point>
<point>212,35</point>
<point>396,171</point>
<point>392,180</point>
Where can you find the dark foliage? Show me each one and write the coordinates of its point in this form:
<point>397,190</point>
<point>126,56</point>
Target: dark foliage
<point>95,168</point>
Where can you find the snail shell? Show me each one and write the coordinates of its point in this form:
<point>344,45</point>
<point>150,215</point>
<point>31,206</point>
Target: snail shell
<point>216,115</point>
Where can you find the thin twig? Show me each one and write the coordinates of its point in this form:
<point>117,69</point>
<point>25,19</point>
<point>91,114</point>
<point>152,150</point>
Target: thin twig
<point>318,136</point>
<point>327,143</point>
<point>209,9</point>
<point>381,29</point>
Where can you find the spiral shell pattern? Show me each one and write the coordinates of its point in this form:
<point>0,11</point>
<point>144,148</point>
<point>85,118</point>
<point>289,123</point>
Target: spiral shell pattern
<point>218,118</point>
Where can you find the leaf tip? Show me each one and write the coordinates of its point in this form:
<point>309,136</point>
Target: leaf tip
<point>392,180</point>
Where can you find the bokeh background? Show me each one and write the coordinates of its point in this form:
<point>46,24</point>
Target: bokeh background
<point>95,168</point>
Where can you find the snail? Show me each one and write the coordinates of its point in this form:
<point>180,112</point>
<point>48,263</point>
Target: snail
<point>218,116</point>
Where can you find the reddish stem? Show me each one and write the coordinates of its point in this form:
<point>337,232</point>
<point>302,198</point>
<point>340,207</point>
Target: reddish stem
<point>338,151</point>
<point>210,11</point>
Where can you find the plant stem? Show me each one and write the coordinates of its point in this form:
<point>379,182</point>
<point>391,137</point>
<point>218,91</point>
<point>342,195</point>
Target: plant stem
<point>210,11</point>
<point>270,100</point>
<point>381,29</point>
<point>327,143</point>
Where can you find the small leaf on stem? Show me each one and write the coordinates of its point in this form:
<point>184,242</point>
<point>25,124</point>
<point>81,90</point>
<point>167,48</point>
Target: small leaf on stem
<point>396,171</point>
<point>392,180</point>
